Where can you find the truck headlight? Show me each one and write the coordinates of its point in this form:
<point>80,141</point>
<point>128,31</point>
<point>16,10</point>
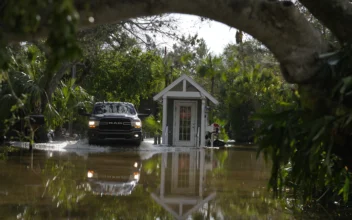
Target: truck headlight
<point>136,124</point>
<point>136,175</point>
<point>90,174</point>
<point>93,124</point>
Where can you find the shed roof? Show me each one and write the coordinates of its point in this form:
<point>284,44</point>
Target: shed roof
<point>192,82</point>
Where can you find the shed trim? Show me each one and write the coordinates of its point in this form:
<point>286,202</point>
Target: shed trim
<point>192,82</point>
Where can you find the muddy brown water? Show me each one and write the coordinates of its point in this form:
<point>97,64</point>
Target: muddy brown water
<point>126,184</point>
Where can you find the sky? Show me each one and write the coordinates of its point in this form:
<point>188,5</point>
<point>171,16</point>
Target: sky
<point>216,35</point>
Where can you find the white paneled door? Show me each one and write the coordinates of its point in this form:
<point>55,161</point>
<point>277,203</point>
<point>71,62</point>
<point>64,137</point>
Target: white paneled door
<point>185,123</point>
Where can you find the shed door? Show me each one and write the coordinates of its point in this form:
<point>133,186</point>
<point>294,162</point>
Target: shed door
<point>185,123</point>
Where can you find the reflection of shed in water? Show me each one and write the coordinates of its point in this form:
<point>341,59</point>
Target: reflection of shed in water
<point>182,189</point>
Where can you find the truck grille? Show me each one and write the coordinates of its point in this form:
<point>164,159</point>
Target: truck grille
<point>115,124</point>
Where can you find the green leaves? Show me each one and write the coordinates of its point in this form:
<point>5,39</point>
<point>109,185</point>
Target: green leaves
<point>135,75</point>
<point>66,99</point>
<point>150,124</point>
<point>313,142</point>
<point>62,35</point>
<point>345,189</point>
<point>251,89</point>
<point>58,17</point>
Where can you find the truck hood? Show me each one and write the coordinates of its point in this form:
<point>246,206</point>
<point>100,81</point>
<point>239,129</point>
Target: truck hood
<point>113,115</point>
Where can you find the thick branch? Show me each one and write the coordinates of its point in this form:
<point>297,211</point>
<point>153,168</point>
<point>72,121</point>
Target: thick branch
<point>334,14</point>
<point>278,25</point>
<point>54,82</point>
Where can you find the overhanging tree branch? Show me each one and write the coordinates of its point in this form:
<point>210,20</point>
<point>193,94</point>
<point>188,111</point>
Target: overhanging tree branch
<point>335,15</point>
<point>278,25</point>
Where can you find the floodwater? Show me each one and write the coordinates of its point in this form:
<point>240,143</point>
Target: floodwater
<point>72,180</point>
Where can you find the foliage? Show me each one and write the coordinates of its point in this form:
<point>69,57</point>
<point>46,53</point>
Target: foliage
<point>24,77</point>
<point>64,107</point>
<point>152,125</point>
<point>5,150</point>
<point>21,92</point>
<point>317,129</point>
<point>247,83</point>
<point>222,134</point>
<point>24,91</point>
<point>43,64</point>
<point>131,72</point>
<point>60,17</point>
<point>211,68</point>
<point>185,57</point>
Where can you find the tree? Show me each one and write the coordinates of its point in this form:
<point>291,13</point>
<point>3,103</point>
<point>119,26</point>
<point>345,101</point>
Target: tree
<point>251,85</point>
<point>22,92</point>
<point>132,73</point>
<point>27,89</point>
<point>187,55</point>
<point>211,68</point>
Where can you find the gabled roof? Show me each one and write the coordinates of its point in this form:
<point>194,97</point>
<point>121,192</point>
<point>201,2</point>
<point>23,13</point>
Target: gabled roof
<point>192,82</point>
<point>176,213</point>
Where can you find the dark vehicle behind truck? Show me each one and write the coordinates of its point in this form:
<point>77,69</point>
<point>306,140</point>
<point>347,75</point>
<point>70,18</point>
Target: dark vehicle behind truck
<point>21,129</point>
<point>114,121</point>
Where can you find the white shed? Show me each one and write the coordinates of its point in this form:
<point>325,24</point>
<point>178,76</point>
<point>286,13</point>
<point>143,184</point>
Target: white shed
<point>184,112</point>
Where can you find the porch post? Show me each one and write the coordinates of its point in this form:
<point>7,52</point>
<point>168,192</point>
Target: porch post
<point>164,120</point>
<point>201,172</point>
<point>162,181</point>
<point>202,124</point>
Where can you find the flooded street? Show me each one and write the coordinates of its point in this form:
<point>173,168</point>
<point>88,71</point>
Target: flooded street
<point>77,181</point>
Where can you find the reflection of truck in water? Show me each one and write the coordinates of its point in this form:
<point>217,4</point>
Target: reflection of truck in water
<point>113,174</point>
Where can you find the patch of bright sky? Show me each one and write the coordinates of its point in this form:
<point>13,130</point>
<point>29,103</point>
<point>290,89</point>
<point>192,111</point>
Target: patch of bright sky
<point>216,35</point>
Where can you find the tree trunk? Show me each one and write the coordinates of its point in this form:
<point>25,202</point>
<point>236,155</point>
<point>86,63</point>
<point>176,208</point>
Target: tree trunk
<point>52,85</point>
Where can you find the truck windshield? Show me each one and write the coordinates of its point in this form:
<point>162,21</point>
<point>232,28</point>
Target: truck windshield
<point>119,108</point>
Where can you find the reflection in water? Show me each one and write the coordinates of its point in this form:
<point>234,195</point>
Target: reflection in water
<point>182,180</point>
<point>114,175</point>
<point>197,184</point>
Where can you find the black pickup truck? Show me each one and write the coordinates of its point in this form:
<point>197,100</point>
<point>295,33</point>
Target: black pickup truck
<point>114,121</point>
